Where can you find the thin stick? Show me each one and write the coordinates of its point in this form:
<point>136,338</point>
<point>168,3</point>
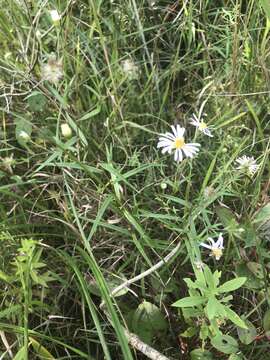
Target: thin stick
<point>133,339</point>
<point>147,272</point>
<point>143,348</point>
<point>5,342</point>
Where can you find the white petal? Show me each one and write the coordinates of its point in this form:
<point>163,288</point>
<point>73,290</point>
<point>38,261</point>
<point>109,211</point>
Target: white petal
<point>219,242</point>
<point>163,138</point>
<point>180,131</point>
<point>169,136</point>
<point>166,149</point>
<point>176,158</point>
<point>211,241</point>
<point>206,246</point>
<point>187,152</point>
<point>174,130</point>
<point>195,123</point>
<point>163,143</point>
<point>180,155</point>
<point>207,132</point>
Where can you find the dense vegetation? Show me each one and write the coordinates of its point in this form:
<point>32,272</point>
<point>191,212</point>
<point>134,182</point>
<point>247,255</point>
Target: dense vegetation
<point>108,214</point>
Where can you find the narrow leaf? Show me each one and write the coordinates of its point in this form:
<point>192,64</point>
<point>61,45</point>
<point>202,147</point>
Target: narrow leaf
<point>189,301</point>
<point>232,285</point>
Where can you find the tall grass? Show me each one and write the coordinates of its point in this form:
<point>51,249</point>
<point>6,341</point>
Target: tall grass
<point>104,204</point>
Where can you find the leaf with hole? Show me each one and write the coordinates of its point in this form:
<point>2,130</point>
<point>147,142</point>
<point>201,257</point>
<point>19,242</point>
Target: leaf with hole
<point>246,336</point>
<point>225,344</point>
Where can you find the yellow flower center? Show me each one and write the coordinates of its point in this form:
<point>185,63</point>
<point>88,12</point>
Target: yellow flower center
<point>217,253</point>
<point>179,143</point>
<point>202,126</point>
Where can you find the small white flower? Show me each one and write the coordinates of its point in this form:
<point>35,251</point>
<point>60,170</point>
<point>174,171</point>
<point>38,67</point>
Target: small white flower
<point>175,142</point>
<point>201,125</point>
<point>53,70</point>
<point>66,130</point>
<point>216,247</point>
<point>55,16</point>
<point>247,165</point>
<point>130,68</point>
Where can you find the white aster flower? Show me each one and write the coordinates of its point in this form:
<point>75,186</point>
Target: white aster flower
<point>53,70</point>
<point>216,247</point>
<point>175,142</point>
<point>201,125</point>
<point>55,16</point>
<point>247,165</point>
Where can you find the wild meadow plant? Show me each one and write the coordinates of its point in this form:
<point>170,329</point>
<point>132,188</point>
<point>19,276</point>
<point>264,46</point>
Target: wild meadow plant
<point>134,167</point>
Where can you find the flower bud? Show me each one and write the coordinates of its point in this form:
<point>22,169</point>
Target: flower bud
<point>24,136</point>
<point>55,16</point>
<point>66,130</point>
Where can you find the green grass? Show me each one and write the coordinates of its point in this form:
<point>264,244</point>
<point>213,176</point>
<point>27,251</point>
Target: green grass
<point>105,205</point>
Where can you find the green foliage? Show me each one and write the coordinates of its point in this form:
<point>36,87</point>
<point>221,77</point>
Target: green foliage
<point>107,204</point>
<point>148,321</point>
<point>225,344</point>
<point>247,336</point>
<point>206,296</point>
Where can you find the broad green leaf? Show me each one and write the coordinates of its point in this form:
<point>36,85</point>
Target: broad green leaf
<point>212,307</point>
<point>5,277</point>
<point>246,336</point>
<point>225,344</point>
<point>215,308</point>
<point>21,355</point>
<point>256,269</point>
<point>189,301</point>
<point>23,131</point>
<point>216,275</point>
<point>231,315</point>
<point>112,281</point>
<point>232,285</point>
<point>40,350</point>
<point>199,354</point>
<point>249,235</point>
<point>209,278</point>
<point>148,320</point>
<point>90,114</point>
<point>204,332</point>
<point>235,357</point>
<point>191,284</point>
<point>252,282</point>
<point>266,7</point>
<point>36,101</point>
<point>191,331</point>
<point>263,215</point>
<point>266,320</point>
<point>227,218</point>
